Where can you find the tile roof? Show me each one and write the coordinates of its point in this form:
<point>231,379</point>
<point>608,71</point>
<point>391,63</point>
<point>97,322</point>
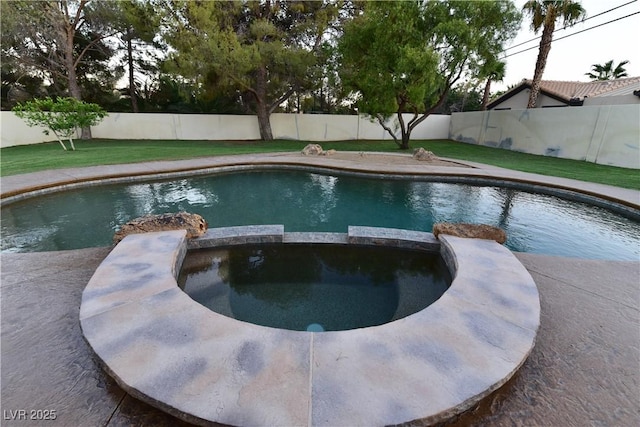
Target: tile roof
<point>580,90</point>
<point>574,93</point>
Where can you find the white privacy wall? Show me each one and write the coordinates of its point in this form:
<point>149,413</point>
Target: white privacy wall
<point>607,134</point>
<point>304,127</point>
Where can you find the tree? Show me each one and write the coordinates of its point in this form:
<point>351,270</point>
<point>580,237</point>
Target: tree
<point>462,97</point>
<point>55,38</point>
<point>607,71</point>
<point>262,51</point>
<point>17,87</point>
<point>404,57</point>
<point>137,23</point>
<point>62,117</point>
<point>544,14</point>
<point>172,95</point>
<point>492,71</point>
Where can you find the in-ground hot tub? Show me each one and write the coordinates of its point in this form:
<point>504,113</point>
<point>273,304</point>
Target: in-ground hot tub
<point>165,348</point>
<point>314,287</point>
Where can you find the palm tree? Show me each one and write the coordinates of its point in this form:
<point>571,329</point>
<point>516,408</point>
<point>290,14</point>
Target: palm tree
<point>493,70</point>
<point>544,14</point>
<point>607,72</point>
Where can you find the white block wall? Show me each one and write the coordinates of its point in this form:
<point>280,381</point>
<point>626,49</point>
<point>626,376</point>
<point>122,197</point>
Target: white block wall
<point>607,134</point>
<point>304,127</point>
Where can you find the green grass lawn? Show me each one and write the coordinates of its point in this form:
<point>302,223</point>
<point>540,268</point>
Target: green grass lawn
<point>37,157</point>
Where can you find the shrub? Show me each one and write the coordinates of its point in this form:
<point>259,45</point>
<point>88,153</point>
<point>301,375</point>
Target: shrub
<point>62,116</point>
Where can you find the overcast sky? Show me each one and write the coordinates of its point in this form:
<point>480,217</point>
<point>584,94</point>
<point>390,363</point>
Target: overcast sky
<point>572,57</point>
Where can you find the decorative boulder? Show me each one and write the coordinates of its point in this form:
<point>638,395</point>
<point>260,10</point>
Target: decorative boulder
<point>424,155</point>
<point>195,225</point>
<point>312,150</point>
<point>472,231</point>
<point>329,152</point>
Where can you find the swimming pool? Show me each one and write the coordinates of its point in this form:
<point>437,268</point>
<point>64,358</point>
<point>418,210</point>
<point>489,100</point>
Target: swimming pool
<point>305,201</point>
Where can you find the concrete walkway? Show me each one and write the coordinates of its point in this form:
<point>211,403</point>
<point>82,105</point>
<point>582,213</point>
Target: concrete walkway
<point>584,369</point>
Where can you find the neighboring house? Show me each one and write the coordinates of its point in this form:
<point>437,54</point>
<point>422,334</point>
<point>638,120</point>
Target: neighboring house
<point>569,94</point>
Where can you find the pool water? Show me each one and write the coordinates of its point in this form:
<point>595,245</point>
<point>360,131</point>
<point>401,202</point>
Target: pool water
<point>314,287</point>
<point>303,201</point>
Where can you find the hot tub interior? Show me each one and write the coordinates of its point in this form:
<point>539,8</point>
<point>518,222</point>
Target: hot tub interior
<point>314,286</point>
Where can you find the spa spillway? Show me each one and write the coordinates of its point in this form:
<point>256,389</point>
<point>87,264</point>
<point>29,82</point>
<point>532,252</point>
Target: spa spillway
<point>166,349</point>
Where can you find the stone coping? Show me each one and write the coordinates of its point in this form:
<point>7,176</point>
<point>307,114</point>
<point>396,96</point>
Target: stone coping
<point>164,348</point>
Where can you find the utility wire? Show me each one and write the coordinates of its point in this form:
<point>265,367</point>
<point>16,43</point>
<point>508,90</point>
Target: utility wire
<point>565,27</point>
<point>573,34</point>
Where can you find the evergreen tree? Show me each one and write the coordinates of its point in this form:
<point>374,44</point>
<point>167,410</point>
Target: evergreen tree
<point>262,51</point>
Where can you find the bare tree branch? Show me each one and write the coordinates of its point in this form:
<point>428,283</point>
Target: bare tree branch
<point>280,100</point>
<point>381,120</point>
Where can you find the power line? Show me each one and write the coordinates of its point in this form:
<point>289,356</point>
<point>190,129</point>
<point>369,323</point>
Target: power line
<point>573,34</point>
<point>565,27</point>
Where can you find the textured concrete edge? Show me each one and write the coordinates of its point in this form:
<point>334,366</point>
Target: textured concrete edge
<point>477,174</point>
<point>356,235</point>
<point>143,397</point>
<point>451,260</point>
<point>175,260</point>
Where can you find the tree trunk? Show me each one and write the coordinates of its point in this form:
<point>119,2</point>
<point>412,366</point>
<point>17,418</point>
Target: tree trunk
<point>485,95</point>
<point>382,120</point>
<point>74,90</point>
<point>406,132</point>
<point>262,110</point>
<point>74,87</point>
<point>541,62</point>
<point>132,82</point>
<point>263,122</point>
<point>405,141</point>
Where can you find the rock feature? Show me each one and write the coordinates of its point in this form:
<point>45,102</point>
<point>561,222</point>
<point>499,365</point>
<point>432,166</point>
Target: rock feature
<point>424,155</point>
<point>472,231</point>
<point>312,150</point>
<point>195,225</point>
<point>316,150</point>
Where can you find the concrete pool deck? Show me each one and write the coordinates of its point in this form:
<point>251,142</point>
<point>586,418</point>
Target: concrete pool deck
<point>584,369</point>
